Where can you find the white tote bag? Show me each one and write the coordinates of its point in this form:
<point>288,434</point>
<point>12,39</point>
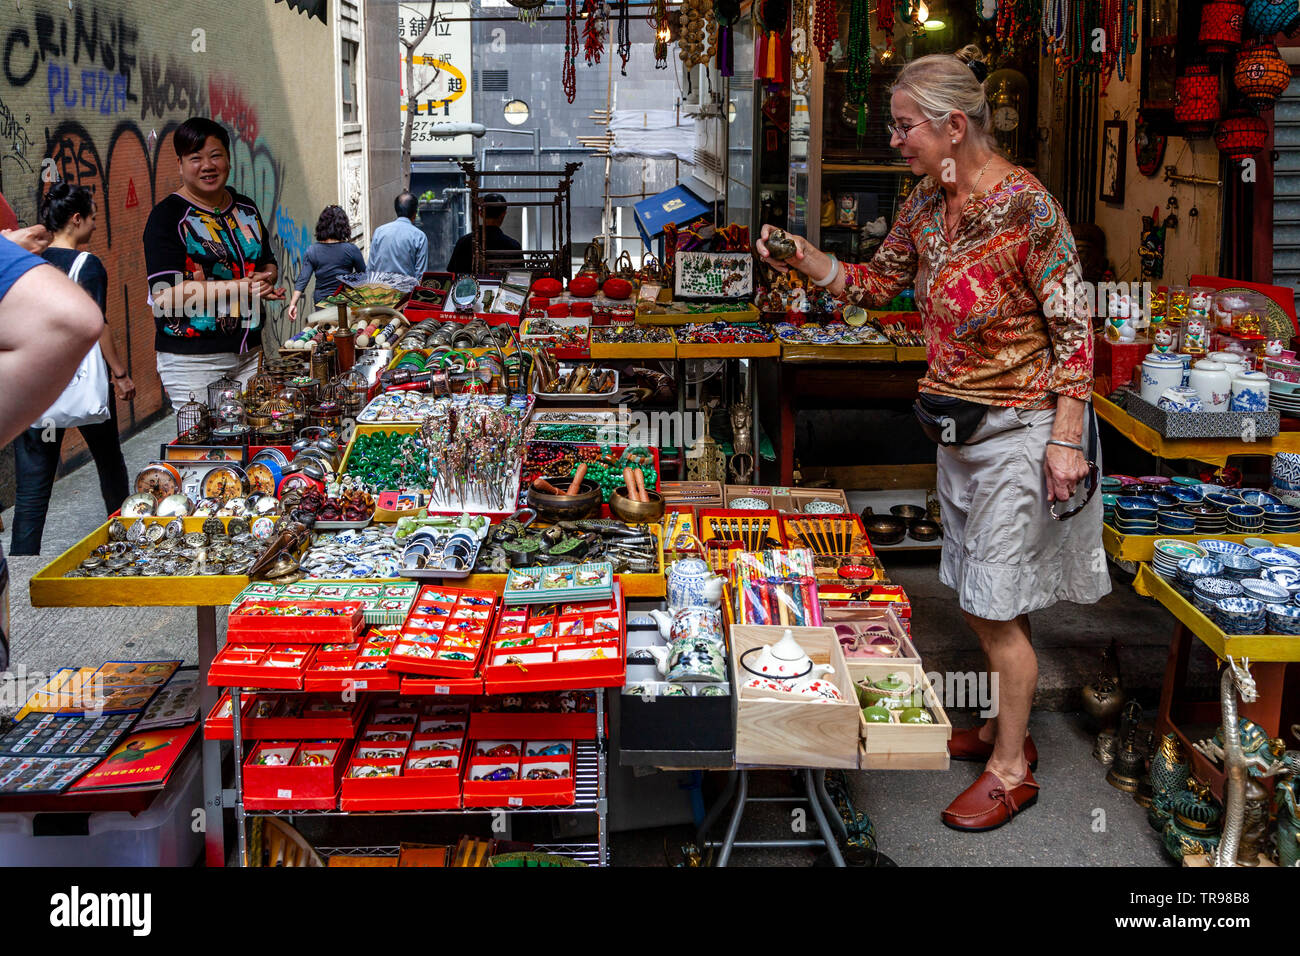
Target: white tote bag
<point>85,400</point>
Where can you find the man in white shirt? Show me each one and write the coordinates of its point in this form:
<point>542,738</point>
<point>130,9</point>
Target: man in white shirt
<point>401,246</point>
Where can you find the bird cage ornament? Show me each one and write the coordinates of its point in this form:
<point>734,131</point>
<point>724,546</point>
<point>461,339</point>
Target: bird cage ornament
<point>217,393</point>
<point>192,424</point>
<point>295,399</point>
<point>327,413</point>
<point>230,428</point>
<point>261,386</point>
<point>351,389</point>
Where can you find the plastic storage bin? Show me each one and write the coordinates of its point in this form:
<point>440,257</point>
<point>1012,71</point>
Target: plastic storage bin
<point>163,835</point>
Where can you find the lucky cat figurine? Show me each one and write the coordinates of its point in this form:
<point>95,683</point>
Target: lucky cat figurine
<point>1194,337</point>
<point>1164,340</point>
<point>1120,326</point>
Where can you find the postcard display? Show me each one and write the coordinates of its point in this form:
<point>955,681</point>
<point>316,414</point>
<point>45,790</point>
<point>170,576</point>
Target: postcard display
<point>484,704</point>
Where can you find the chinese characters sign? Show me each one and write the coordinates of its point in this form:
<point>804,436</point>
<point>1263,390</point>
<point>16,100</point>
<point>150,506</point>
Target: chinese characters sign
<point>442,76</point>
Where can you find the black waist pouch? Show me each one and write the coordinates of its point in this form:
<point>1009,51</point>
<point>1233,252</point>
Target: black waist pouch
<point>946,420</point>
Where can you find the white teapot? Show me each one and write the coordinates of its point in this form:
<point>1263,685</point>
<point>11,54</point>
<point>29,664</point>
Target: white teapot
<point>785,667</point>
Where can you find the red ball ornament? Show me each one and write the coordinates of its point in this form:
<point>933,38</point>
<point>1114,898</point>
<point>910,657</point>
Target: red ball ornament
<point>583,286</point>
<point>617,288</point>
<point>547,288</point>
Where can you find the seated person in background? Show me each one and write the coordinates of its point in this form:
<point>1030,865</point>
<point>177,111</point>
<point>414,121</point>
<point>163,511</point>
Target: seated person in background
<point>401,246</point>
<point>494,213</point>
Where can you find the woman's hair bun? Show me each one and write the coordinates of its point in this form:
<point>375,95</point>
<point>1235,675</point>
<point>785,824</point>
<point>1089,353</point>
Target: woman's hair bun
<point>973,57</point>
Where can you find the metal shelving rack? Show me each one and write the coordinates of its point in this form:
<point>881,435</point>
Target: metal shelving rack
<point>591,782</point>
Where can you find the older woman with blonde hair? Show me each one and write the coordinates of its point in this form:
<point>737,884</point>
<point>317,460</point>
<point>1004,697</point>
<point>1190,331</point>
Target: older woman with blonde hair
<point>1006,395</point>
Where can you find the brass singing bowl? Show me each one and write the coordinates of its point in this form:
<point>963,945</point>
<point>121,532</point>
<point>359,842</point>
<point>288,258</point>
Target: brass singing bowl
<point>884,529</point>
<point>923,529</point>
<point>554,508</point>
<point>907,512</point>
<point>636,512</point>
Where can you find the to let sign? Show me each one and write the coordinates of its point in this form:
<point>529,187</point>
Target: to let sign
<point>442,76</point>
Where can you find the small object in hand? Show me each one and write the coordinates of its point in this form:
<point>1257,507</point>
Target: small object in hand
<point>779,245</point>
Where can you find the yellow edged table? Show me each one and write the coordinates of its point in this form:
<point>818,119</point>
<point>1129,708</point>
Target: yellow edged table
<point>1212,451</point>
<point>1141,547</point>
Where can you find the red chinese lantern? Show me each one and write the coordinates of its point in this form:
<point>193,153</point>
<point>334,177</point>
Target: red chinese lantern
<point>1196,100</point>
<point>1261,74</point>
<point>1241,135</point>
<point>1221,26</point>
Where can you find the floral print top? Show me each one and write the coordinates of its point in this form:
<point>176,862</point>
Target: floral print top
<point>982,295</point>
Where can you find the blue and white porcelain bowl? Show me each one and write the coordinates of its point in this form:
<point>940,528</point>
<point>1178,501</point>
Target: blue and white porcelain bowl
<point>1190,570</point>
<point>1240,615</point>
<point>1222,500</point>
<point>1188,496</point>
<point>1253,496</point>
<point>1288,578</point>
<point>1217,547</point>
<point>1176,522</point>
<point>1283,618</point>
<point>1239,566</point>
<point>1265,591</point>
<point>1275,557</point>
<point>1286,471</point>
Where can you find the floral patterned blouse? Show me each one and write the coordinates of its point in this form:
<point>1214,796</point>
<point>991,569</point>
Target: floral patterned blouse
<point>981,296</point>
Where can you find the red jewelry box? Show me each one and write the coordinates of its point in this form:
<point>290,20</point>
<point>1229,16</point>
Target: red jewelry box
<point>279,666</point>
<point>339,670</point>
<point>445,621</point>
<point>295,785</point>
<point>415,685</point>
<point>340,721</point>
<point>520,791</point>
<point>407,788</point>
<point>533,673</point>
<point>253,628</point>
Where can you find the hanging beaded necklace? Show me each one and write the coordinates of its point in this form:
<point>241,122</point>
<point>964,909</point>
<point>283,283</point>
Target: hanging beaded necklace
<point>858,81</point>
<point>826,27</point>
<point>624,34</point>
<point>569,70</point>
<point>594,30</point>
<point>800,47</point>
<point>658,18</point>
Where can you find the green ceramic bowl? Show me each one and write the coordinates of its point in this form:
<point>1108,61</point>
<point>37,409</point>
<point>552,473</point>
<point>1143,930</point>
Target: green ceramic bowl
<point>1185,480</point>
<point>915,715</point>
<point>876,715</point>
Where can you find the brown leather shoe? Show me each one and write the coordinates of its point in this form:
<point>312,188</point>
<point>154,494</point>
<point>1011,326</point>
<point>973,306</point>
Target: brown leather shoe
<point>986,804</point>
<point>966,745</point>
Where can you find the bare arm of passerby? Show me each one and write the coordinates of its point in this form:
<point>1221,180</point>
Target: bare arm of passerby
<point>47,325</point>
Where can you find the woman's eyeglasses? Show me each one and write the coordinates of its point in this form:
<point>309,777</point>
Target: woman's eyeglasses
<point>901,131</point>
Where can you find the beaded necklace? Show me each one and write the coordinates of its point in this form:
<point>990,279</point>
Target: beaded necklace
<point>624,35</point>
<point>658,18</point>
<point>569,70</point>
<point>593,32</point>
<point>826,27</point>
<point>858,81</point>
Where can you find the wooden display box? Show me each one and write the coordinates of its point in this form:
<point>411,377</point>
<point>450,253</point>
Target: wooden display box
<point>787,499</point>
<point>692,494</point>
<point>49,588</point>
<point>795,732</point>
<point>905,746</point>
<point>871,621</point>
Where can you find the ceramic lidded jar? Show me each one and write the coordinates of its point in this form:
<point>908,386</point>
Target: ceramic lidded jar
<point>1160,372</point>
<point>1213,383</point>
<point>1249,392</point>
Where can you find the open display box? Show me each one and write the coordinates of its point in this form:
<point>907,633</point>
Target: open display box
<point>258,621</point>
<point>278,666</point>
<point>289,775</point>
<point>792,730</point>
<point>898,746</point>
<point>869,636</point>
<point>277,717</point>
<point>359,665</point>
<point>408,757</point>
<point>791,500</point>
<point>553,647</point>
<point>445,634</point>
<point>49,587</point>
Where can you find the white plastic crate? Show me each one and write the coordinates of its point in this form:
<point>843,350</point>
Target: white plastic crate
<point>163,835</point>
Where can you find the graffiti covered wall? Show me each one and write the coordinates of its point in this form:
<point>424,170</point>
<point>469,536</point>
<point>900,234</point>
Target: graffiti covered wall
<point>91,94</point>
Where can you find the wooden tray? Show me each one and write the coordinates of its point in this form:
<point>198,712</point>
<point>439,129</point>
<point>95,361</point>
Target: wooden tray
<point>905,746</point>
<point>795,733</point>
<point>49,588</point>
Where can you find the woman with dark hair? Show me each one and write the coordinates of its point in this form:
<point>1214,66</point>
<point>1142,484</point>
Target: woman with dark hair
<point>329,257</point>
<point>69,214</point>
<point>208,254</point>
